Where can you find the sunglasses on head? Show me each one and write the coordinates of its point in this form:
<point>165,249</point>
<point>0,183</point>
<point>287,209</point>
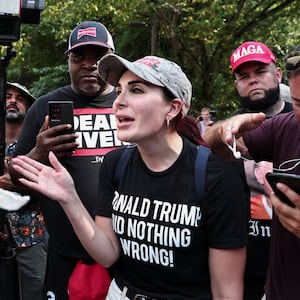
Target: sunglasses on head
<point>292,61</point>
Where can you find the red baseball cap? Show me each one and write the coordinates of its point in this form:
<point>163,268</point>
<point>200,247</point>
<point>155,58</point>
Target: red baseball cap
<point>251,51</point>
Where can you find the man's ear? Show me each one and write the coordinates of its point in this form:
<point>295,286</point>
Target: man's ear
<point>279,74</point>
<point>235,83</point>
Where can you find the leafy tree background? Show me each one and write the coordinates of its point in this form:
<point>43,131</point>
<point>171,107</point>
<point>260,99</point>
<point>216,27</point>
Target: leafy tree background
<point>198,34</point>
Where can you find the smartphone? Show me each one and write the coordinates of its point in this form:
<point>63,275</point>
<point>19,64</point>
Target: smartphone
<point>291,180</point>
<point>61,112</point>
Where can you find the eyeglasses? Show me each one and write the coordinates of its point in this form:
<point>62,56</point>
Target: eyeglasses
<point>292,61</point>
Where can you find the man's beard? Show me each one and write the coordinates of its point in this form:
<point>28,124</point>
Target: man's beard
<point>14,117</point>
<point>272,96</point>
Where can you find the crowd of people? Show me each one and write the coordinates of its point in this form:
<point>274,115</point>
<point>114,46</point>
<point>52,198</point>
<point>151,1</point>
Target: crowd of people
<point>79,152</point>
<point>257,81</point>
<point>22,230</point>
<point>150,229</point>
<point>273,140</point>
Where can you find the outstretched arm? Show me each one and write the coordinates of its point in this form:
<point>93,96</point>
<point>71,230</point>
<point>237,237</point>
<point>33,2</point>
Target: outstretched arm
<point>56,183</point>
<point>221,133</point>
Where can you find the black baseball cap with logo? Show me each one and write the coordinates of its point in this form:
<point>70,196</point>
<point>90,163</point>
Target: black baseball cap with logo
<point>90,33</point>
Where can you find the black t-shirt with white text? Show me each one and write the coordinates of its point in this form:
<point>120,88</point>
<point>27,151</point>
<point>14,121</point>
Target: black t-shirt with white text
<point>164,233</point>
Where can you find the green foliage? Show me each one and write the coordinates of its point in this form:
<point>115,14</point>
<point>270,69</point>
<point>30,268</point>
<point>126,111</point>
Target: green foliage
<point>200,35</point>
<point>49,78</point>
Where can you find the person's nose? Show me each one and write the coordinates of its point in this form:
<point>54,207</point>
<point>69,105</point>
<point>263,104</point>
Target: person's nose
<point>11,99</point>
<point>90,62</point>
<point>120,101</point>
<point>252,78</point>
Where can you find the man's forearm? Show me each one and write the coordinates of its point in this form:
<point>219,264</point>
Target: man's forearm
<point>223,133</point>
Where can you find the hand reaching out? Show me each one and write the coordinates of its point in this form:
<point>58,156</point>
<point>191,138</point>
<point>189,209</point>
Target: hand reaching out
<point>220,134</point>
<point>54,182</point>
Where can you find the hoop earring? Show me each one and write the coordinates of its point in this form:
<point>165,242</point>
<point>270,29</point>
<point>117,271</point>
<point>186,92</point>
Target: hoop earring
<point>168,123</point>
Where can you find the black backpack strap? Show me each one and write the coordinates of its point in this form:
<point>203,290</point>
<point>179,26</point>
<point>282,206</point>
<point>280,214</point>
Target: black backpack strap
<point>200,172</point>
<point>122,164</point>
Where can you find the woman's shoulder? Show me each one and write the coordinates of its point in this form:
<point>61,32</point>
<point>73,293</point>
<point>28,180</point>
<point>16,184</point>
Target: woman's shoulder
<point>115,163</point>
<point>115,155</point>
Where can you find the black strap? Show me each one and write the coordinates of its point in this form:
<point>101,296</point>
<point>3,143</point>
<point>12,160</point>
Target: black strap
<point>200,172</point>
<point>200,169</point>
<point>122,164</point>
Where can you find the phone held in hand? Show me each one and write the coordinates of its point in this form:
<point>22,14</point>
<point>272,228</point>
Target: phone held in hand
<point>291,180</point>
<point>61,112</point>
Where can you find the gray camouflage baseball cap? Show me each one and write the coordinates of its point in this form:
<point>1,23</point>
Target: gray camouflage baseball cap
<point>156,70</point>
